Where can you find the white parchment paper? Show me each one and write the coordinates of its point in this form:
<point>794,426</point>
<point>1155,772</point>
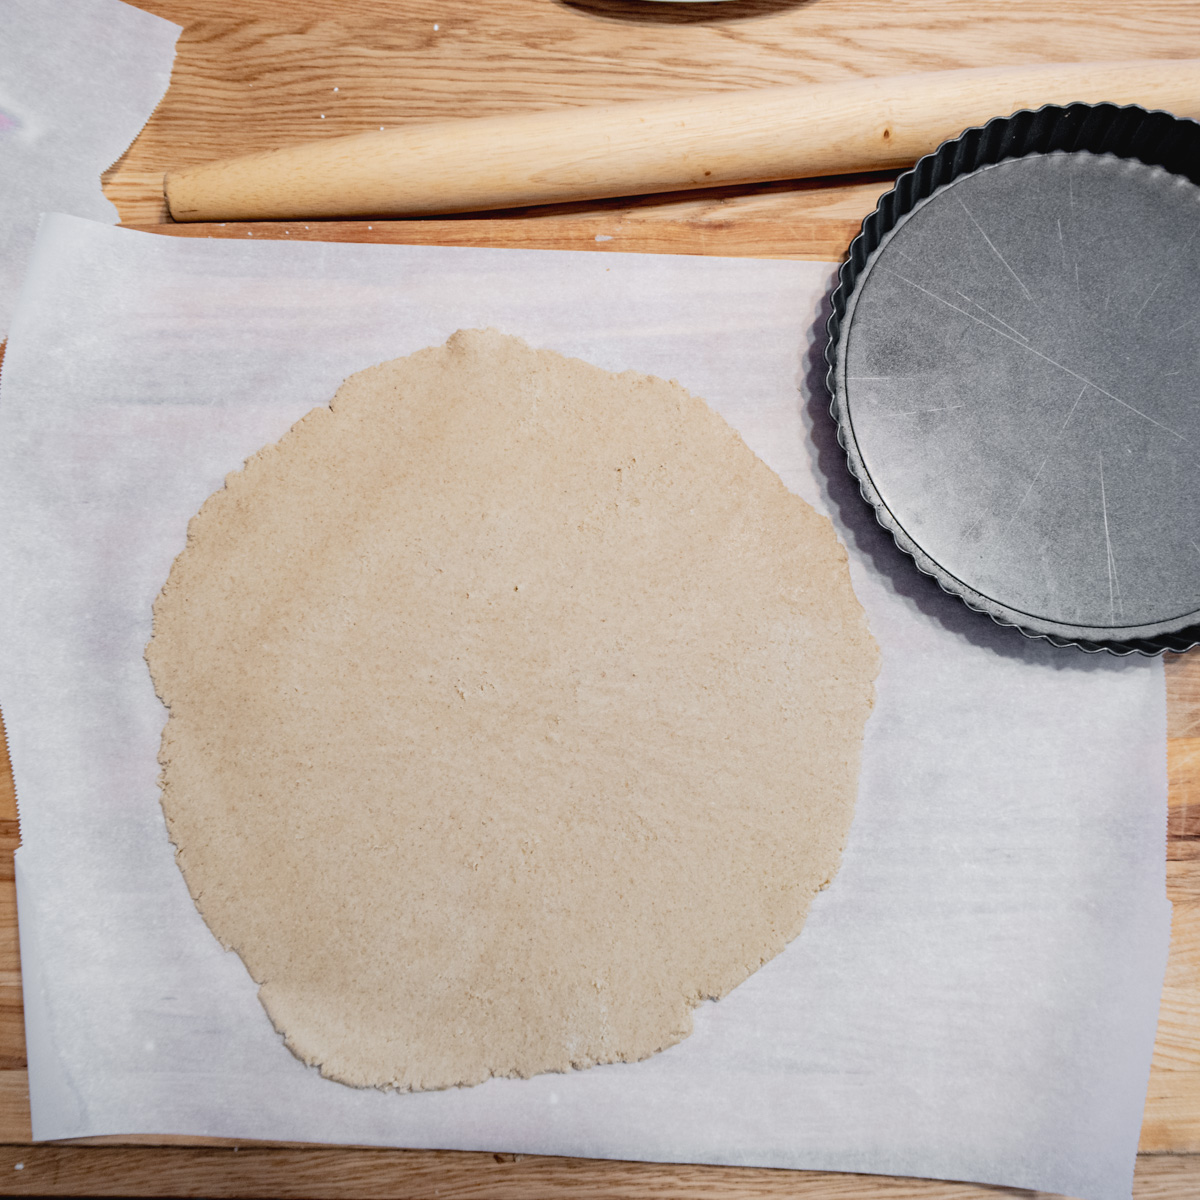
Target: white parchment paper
<point>974,997</point>
<point>78,80</point>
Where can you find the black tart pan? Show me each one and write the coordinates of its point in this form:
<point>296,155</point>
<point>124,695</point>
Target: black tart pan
<point>1014,366</point>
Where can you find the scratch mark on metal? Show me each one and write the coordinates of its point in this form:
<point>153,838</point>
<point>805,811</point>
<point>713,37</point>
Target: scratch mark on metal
<point>1171,270</point>
<point>1071,208</point>
<point>916,412</point>
<point>1185,325</point>
<point>1039,354</point>
<point>992,247</point>
<point>1114,583</point>
<point>1029,491</point>
<point>1153,293</point>
<point>1021,502</point>
<point>1073,408</point>
<point>995,318</point>
<point>1033,484</point>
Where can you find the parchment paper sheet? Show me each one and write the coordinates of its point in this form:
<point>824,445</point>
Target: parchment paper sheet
<point>78,80</point>
<point>974,997</point>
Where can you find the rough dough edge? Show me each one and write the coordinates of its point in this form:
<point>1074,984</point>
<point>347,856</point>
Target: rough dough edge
<point>243,477</point>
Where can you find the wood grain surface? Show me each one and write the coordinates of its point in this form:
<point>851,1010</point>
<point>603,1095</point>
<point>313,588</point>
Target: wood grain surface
<point>255,74</point>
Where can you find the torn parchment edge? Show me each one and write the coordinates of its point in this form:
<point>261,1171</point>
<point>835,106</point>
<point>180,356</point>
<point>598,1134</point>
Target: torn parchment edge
<point>134,25</point>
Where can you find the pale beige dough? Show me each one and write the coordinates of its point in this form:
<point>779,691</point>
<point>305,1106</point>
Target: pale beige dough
<point>515,708</point>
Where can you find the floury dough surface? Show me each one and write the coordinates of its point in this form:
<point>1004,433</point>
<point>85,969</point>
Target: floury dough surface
<point>515,708</point>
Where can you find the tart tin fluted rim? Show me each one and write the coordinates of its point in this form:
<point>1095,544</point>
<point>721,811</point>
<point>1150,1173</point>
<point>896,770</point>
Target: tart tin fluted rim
<point>1154,138</point>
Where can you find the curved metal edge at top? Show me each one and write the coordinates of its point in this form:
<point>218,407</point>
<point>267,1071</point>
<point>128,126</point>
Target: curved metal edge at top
<point>1155,138</point>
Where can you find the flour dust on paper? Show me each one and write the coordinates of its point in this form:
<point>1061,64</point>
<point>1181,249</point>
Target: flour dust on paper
<point>515,709</point>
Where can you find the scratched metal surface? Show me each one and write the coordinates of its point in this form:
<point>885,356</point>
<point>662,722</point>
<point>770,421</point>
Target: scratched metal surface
<point>1022,374</point>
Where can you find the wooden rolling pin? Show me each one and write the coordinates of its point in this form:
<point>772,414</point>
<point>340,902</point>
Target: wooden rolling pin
<point>631,149</point>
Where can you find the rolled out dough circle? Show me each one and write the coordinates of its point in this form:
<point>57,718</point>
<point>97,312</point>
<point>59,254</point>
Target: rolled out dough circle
<point>515,708</point>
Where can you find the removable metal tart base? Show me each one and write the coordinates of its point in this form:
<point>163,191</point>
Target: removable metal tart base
<point>1015,372</point>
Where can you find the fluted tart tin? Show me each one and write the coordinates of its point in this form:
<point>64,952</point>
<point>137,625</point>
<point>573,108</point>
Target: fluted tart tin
<point>1014,366</point>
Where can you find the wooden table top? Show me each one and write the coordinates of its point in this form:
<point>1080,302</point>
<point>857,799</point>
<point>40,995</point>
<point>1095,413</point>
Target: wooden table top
<point>254,74</point>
